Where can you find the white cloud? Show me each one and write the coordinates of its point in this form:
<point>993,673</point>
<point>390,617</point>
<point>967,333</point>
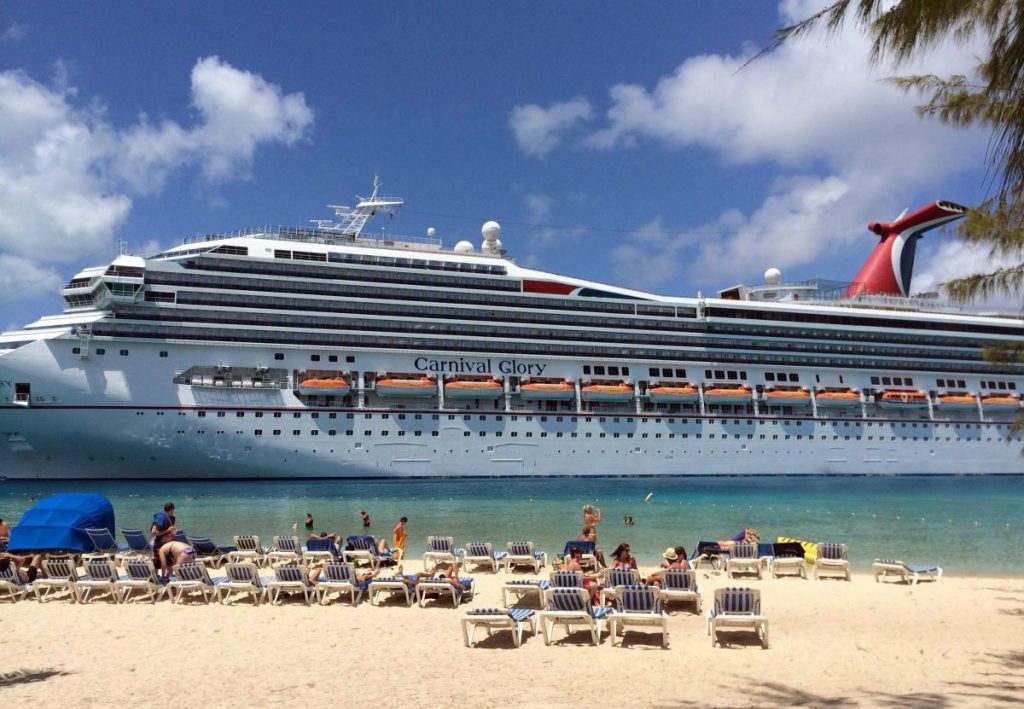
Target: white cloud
<point>943,261</point>
<point>539,130</point>
<point>68,174</point>
<point>22,279</point>
<point>848,147</point>
<point>14,33</point>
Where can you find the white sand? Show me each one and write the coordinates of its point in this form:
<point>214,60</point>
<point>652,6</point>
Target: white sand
<point>953,643</point>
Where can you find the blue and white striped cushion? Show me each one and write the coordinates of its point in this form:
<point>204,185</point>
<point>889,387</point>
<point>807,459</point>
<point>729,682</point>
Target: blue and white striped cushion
<point>539,583</point>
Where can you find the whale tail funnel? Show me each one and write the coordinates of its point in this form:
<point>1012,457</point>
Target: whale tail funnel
<point>890,266</point>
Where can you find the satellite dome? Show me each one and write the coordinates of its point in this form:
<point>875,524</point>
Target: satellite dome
<point>491,231</point>
<point>772,276</point>
<point>464,247</point>
<point>431,232</point>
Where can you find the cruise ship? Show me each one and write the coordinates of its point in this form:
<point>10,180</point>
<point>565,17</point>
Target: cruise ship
<point>327,352</point>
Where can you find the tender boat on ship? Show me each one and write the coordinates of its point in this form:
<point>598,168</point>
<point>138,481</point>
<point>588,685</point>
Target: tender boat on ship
<point>837,398</point>
<point>1000,403</point>
<point>607,393</point>
<point>330,386</point>
<point>473,389</point>
<point>960,401</point>
<point>674,394</point>
<point>547,391</point>
<point>903,399</point>
<point>719,394</point>
<point>406,387</point>
<point>797,396</point>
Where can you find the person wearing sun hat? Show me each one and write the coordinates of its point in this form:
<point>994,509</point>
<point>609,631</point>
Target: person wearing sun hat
<point>674,558</point>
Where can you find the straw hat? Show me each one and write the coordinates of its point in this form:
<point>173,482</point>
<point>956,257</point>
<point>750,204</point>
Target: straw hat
<point>670,554</point>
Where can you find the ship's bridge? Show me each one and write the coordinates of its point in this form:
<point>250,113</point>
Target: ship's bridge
<point>97,287</point>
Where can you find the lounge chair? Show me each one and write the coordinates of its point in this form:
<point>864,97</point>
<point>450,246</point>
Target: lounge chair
<point>569,607</point>
<point>709,553</point>
<point>744,559</point>
<point>615,579</point>
<point>364,547</point>
<point>391,585</point>
<point>442,587</point>
<point>289,578</point>
<point>482,554</point>
<point>60,574</point>
<point>141,576</point>
<point>523,553</point>
<point>207,552</point>
<point>588,553</point>
<point>138,543</point>
<point>737,609</point>
<point>514,619</point>
<point>905,572</point>
<point>190,578</point>
<point>11,581</point>
<point>788,560</point>
<point>320,551</point>
<point>243,579</point>
<point>105,545</point>
<point>638,605</point>
<point>101,575</point>
<point>248,548</point>
<point>680,585</point>
<point>832,559</point>
<point>339,577</point>
<point>439,550</point>
<point>523,587</point>
<point>286,549</point>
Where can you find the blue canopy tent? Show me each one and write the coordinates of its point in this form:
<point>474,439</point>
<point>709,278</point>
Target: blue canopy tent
<point>58,523</point>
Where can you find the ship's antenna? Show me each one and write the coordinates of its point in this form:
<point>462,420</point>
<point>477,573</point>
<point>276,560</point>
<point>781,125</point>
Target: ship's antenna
<point>351,220</point>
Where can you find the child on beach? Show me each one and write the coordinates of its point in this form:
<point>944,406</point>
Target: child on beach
<point>399,536</point>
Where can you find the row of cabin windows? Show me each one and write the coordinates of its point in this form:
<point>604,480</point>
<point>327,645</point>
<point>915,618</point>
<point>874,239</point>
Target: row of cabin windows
<point>724,374</point>
<point>952,383</point>
<point>103,351</point>
<point>781,376</point>
<point>666,372</point>
<point>601,370</point>
<point>712,436</point>
<point>998,385</point>
<point>893,381</point>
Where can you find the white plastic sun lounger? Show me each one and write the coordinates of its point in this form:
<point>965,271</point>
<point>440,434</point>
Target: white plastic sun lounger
<point>905,572</point>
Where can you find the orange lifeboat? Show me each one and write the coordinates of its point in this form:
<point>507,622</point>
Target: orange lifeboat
<point>958,402</point>
<point>668,394</point>
<point>547,391</point>
<point>607,392</point>
<point>418,388</point>
<point>727,395</point>
<point>836,399</point>
<point>903,399</point>
<point>331,386</point>
<point>473,389</point>
<point>787,397</point>
<point>1000,402</point>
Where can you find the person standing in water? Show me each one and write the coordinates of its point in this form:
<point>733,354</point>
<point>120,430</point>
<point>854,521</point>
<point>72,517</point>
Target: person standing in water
<point>366,518</point>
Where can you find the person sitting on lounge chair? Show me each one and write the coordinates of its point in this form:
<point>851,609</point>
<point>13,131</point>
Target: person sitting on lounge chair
<point>29,566</point>
<point>444,570</point>
<point>675,558</point>
<point>590,535</point>
<point>622,558</point>
<point>591,580</point>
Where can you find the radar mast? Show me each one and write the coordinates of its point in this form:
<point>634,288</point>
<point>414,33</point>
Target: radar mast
<point>351,220</point>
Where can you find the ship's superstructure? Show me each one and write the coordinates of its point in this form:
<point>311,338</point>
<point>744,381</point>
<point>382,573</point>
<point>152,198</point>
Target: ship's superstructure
<point>322,352</point>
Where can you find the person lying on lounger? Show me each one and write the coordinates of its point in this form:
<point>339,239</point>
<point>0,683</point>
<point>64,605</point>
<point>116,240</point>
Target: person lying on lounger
<point>444,570</point>
<point>29,566</point>
<point>361,580</point>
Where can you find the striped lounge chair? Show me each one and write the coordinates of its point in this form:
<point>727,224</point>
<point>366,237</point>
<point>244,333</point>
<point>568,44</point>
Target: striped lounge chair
<point>442,587</point>
<point>743,559</point>
<point>320,551</point>
<point>286,550</point>
<point>523,587</point>
<point>523,554</point>
<point>832,560</point>
<point>482,554</point>
<point>340,577</point>
<point>11,581</point>
<point>638,605</point>
<point>569,607</point>
<point>140,575</point>
<point>615,579</point>
<point>514,619</point>
<point>244,580</point>
<point>104,544</point>
<point>290,578</point>
<point>680,585</point>
<point>207,552</point>
<point>247,548</point>
<point>138,543</point>
<point>100,575</point>
<point>439,550</point>
<point>905,572</point>
<point>61,574</point>
<point>192,578</point>
<point>391,585</point>
<point>737,609</point>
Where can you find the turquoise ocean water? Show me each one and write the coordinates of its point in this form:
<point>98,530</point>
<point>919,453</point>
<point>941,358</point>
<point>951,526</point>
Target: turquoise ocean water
<point>965,524</point>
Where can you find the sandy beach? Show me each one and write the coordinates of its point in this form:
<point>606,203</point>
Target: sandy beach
<point>833,643</point>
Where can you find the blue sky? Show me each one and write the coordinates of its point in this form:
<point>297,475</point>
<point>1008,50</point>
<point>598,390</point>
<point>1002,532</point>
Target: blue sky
<point>613,141</point>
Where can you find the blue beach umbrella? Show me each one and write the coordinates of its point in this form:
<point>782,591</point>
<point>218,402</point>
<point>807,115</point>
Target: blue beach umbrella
<point>58,523</point>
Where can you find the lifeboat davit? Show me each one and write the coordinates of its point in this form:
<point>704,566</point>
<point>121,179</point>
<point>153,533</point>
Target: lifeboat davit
<point>607,392</point>
<point>727,395</point>
<point>1002,402</point>
<point>787,397</point>
<point>547,391</point>
<point>418,388</point>
<point>958,402</point>
<point>685,394</point>
<point>473,389</point>
<point>837,399</point>
<point>333,386</point>
<point>903,399</point>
